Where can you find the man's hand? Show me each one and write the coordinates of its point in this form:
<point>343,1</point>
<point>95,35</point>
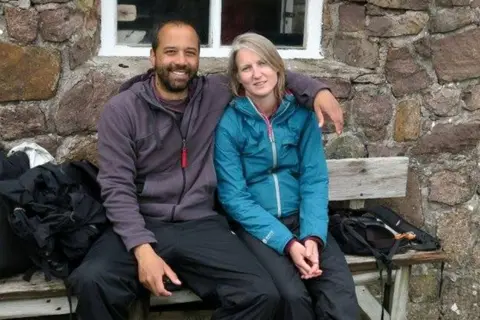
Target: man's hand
<point>312,255</point>
<point>152,268</point>
<point>326,104</point>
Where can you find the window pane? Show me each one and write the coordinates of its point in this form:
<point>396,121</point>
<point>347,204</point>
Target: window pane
<point>282,21</point>
<point>136,18</point>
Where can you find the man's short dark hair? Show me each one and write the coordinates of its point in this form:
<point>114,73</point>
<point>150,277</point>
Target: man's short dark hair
<point>174,21</point>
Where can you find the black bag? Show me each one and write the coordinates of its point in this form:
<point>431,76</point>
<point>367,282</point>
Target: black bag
<point>377,231</point>
<point>380,232</point>
<point>58,214</point>
<point>13,260</point>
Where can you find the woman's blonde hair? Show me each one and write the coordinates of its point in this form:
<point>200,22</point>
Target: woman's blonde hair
<point>267,52</point>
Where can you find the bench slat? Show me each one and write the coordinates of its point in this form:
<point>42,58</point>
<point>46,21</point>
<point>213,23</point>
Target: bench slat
<point>16,288</point>
<point>367,178</point>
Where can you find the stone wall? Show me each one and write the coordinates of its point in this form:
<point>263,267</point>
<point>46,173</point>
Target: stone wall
<point>406,72</point>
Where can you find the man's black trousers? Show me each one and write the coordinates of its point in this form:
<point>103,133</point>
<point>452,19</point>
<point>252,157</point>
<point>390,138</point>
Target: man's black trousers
<point>204,253</point>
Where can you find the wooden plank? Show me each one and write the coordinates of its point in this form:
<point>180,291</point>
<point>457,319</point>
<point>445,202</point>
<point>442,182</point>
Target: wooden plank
<point>369,277</point>
<point>358,263</point>
<point>369,305</point>
<point>31,307</point>
<point>16,288</point>
<point>367,178</point>
<point>35,307</point>
<point>400,294</point>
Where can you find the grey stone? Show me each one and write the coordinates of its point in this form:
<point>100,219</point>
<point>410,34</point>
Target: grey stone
<point>449,138</point>
<point>385,150</point>
<point>341,88</point>
<point>410,23</point>
<point>22,24</point>
<point>24,4</point>
<point>357,52</point>
<point>59,25</point>
<point>450,188</point>
<point>424,288</point>
<point>80,107</point>
<point>327,17</point>
<point>455,57</point>
<point>464,294</point>
<point>445,20</point>
<point>351,17</point>
<point>28,73</point>
<point>444,102</point>
<point>452,3</point>
<point>48,1</point>
<point>405,75</point>
<point>21,120</point>
<point>49,7</point>
<point>371,78</point>
<point>78,148</point>
<point>372,111</point>
<point>408,120</point>
<point>373,10</point>
<point>472,101</point>
<point>81,51</point>
<point>345,146</point>
<point>401,4</point>
<point>423,47</point>
<point>423,311</point>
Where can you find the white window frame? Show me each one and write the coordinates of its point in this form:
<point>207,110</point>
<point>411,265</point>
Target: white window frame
<point>311,41</point>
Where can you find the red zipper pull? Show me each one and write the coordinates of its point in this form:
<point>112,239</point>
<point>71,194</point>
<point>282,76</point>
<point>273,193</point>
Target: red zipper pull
<point>184,154</point>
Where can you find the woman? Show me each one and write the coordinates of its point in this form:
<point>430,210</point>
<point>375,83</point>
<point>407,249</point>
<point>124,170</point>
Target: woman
<point>272,180</point>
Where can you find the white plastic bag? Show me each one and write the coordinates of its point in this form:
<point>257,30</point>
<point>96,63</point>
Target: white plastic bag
<point>36,154</point>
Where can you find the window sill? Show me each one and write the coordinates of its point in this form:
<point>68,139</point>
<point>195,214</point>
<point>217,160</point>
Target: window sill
<point>222,52</point>
<point>126,67</point>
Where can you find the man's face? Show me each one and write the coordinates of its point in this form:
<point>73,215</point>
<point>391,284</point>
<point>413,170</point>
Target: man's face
<point>176,58</point>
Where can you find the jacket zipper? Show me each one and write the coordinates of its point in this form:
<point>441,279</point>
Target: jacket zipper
<point>271,136</point>
<point>183,164</point>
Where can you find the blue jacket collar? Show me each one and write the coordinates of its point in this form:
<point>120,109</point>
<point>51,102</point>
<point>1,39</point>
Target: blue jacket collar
<point>244,105</point>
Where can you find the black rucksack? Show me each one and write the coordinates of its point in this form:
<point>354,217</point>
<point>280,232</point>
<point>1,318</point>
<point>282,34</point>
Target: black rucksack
<point>380,232</point>
<point>58,214</point>
<point>377,231</point>
<point>13,260</point>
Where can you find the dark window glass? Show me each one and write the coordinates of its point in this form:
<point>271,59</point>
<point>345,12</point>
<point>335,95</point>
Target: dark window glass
<point>282,21</point>
<point>138,17</point>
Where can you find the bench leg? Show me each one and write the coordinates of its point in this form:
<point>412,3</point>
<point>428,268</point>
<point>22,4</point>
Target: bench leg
<point>139,310</point>
<point>369,304</point>
<point>400,294</point>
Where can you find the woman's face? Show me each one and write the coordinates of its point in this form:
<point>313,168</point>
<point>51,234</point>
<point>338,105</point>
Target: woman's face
<point>255,75</point>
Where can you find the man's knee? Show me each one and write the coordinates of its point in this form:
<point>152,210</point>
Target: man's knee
<point>266,294</point>
<point>87,277</point>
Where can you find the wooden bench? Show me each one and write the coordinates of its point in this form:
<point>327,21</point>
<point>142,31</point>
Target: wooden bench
<point>353,180</point>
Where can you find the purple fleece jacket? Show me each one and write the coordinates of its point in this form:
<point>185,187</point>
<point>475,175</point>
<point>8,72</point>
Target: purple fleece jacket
<point>140,146</point>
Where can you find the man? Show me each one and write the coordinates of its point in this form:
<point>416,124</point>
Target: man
<point>155,142</point>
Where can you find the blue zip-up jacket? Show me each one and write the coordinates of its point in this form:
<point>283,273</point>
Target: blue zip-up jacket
<point>272,168</point>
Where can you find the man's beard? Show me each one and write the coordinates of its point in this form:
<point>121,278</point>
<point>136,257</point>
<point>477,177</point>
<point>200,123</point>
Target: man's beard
<point>163,77</point>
